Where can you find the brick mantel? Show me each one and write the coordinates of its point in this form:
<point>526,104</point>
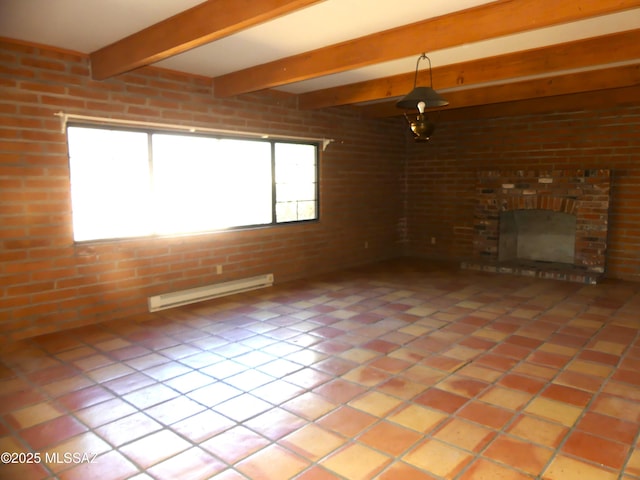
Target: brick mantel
<point>583,193</point>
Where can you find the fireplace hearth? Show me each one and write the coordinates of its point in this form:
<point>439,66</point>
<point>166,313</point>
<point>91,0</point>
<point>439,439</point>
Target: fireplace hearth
<point>547,224</point>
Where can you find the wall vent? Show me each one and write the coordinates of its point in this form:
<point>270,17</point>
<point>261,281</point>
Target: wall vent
<point>200,294</point>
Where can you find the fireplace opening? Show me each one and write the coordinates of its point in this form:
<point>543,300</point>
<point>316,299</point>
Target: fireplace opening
<point>537,236</point>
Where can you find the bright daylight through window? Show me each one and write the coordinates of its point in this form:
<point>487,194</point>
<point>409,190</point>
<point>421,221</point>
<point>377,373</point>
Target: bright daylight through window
<point>132,183</point>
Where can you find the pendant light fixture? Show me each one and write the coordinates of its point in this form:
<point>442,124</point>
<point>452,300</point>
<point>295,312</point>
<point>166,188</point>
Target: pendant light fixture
<point>421,98</point>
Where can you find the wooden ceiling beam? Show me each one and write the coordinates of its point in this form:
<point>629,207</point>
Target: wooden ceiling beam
<point>598,99</point>
<point>607,49</point>
<point>466,26</point>
<point>208,21</point>
<point>561,84</point>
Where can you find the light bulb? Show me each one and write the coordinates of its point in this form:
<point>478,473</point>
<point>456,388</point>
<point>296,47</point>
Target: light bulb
<point>421,106</point>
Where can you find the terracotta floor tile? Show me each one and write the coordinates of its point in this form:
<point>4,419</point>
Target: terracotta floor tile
<point>522,383</point>
<point>189,381</point>
<point>617,407</point>
<point>418,418</point>
<point>214,394</point>
<point>465,435</point>
<point>309,405</point>
<point>272,463</point>
<point>306,357</point>
<point>389,438</point>
<point>47,375</point>
<point>410,355</point>
<point>390,364</point>
<point>52,432</point>
<point>566,394</point>
<point>235,444</point>
<point>440,362</point>
<point>599,357</point>
<point>596,449</point>
<point>485,414</point>
<point>248,380</point>
<point>482,469</point>
<point>224,369</point>
<point>155,448</point>
<point>376,403</point>
<point>608,427</point>
<point>279,368</point>
<point>308,378</point>
<point>60,388</point>
<point>87,442</point>
<point>275,423</point>
<point>166,371</point>
<point>174,410</point>
<point>463,386</point>
<point>538,431</point>
<point>633,465</point>
<point>312,442</point>
<point>92,362</point>
<point>129,383</point>
<point>108,466</point>
<point>33,415</point>
<point>559,412</point>
<point>194,464</point>
<point>366,376</point>
<point>316,473</point>
<point>84,398</point>
<point>278,392</point>
<point>110,372</point>
<point>402,388</point>
<point>356,462</point>
<point>105,412</point>
<point>510,350</point>
<point>588,383</point>
<point>480,373</point>
<point>242,407</point>
<point>25,471</point>
<point>202,426</point>
<point>254,358</point>
<point>151,395</point>
<point>532,370</point>
<point>622,390</point>
<point>519,454</point>
<point>347,421</point>
<point>441,400</point>
<point>128,428</point>
<point>401,471</point>
<point>438,458</point>
<point>424,375</point>
<point>566,468</point>
<point>505,397</point>
<point>381,346</point>
<point>340,391</point>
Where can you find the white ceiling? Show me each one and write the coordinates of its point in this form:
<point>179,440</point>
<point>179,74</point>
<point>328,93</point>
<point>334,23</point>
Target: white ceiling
<point>88,25</point>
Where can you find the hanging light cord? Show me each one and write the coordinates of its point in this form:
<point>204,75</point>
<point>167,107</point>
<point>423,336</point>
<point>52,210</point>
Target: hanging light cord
<point>415,78</point>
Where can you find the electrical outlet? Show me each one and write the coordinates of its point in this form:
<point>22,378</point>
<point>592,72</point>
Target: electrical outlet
<point>218,269</point>
<point>366,244</point>
<point>433,240</point>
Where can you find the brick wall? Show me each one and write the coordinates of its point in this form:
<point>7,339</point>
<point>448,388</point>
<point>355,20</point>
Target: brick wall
<point>49,283</point>
<point>441,175</point>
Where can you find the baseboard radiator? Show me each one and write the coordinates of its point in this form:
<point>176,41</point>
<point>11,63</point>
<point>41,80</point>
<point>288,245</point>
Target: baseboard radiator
<point>200,294</point>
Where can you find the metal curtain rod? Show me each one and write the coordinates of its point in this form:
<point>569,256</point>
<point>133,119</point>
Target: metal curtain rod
<point>65,117</point>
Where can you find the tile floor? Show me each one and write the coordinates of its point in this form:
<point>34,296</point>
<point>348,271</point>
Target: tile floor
<point>397,371</point>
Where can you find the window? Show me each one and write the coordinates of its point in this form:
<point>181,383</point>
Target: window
<point>131,183</point>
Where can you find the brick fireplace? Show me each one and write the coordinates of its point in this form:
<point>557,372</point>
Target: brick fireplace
<point>547,224</point>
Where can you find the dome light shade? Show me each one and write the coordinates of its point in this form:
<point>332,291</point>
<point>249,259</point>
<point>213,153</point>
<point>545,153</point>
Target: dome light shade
<point>428,95</point>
